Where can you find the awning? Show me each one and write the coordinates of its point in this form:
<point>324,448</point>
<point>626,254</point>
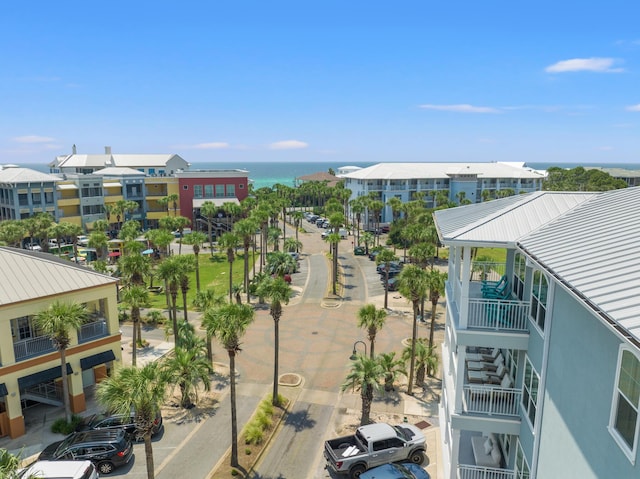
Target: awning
<point>114,254</point>
<point>42,376</point>
<point>3,390</point>
<point>100,358</point>
<point>198,202</point>
<point>112,185</point>
<point>67,187</point>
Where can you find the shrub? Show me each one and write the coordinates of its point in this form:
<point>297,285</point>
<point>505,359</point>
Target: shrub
<point>234,472</point>
<point>247,451</point>
<point>263,419</point>
<point>61,425</point>
<point>266,407</point>
<point>254,434</point>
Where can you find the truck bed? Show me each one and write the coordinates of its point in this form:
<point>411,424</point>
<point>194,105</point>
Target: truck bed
<point>345,447</point>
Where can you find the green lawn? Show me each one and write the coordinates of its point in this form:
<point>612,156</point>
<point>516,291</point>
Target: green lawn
<point>214,274</point>
<point>495,255</point>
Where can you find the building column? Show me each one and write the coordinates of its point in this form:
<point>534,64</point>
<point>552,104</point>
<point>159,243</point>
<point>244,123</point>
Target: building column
<point>76,391</point>
<point>14,411</point>
<point>455,447</point>
<point>464,280</point>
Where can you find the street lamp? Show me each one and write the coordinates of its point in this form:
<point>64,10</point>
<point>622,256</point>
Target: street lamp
<point>353,355</point>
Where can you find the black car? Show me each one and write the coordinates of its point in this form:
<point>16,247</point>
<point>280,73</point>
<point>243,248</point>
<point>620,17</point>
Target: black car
<point>392,285</point>
<point>107,449</point>
<point>117,421</point>
<point>393,266</point>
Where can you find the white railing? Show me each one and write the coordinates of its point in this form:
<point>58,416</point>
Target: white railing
<point>27,348</point>
<point>95,329</point>
<point>498,314</point>
<point>487,271</point>
<point>491,400</point>
<point>466,471</point>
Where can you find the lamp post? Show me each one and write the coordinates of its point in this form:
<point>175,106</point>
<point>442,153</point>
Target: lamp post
<point>353,356</point>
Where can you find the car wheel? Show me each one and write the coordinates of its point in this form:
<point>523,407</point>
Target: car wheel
<point>417,457</point>
<point>355,471</point>
<point>105,467</point>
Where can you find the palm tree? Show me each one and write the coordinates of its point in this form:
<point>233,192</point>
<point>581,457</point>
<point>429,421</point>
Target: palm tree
<point>376,207</point>
<point>228,324</point>
<point>173,200</point>
<point>170,271</point>
<point>187,368</point>
<point>425,357</point>
<point>297,221</point>
<point>368,239</point>
<point>180,223</point>
<point>98,240</point>
<point>372,320</point>
<point>292,244</point>
<point>134,268</point>
<point>142,390</point>
<point>385,257</point>
<point>209,211</point>
<point>196,239</point>
<point>245,229</point>
<point>412,284</point>
<point>436,283</point>
<point>357,208</point>
<point>135,297</point>
<point>12,232</point>
<point>273,238</point>
<point>230,242</point>
<point>333,239</point>
<point>278,292</point>
<point>55,322</point>
<point>205,300</point>
<point>392,368</point>
<point>9,465</point>
<point>365,376</point>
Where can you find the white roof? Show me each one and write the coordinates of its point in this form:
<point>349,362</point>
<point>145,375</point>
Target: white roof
<point>506,220</point>
<point>406,171</point>
<point>27,275</point>
<point>118,171</point>
<point>25,175</point>
<point>104,160</point>
<point>594,251</point>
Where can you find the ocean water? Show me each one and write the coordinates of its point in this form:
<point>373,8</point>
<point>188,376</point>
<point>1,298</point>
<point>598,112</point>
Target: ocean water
<point>268,174</point>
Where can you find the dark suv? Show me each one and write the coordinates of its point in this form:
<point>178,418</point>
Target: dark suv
<point>107,449</point>
<point>117,421</point>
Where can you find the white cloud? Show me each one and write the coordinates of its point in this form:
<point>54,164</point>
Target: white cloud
<point>584,64</point>
<point>634,107</point>
<point>288,145</point>
<point>216,145</point>
<point>30,139</point>
<point>463,108</point>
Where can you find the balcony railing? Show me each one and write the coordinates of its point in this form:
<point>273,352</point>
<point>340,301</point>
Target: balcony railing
<point>491,400</point>
<point>487,271</point>
<point>28,348</point>
<point>466,471</point>
<point>498,314</point>
<point>93,330</point>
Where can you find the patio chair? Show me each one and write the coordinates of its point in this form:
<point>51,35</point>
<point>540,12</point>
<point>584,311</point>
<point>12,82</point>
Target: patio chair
<point>502,292</point>
<point>486,365</point>
<point>487,377</point>
<point>490,285</point>
<point>479,356</point>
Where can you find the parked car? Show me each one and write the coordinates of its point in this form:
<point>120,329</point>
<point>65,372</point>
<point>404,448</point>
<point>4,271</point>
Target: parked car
<point>107,449</point>
<point>83,240</point>
<point>294,255</point>
<point>393,265</point>
<point>117,421</point>
<point>60,470</point>
<point>373,254</point>
<point>359,251</point>
<point>402,470</point>
<point>392,284</point>
<point>33,247</point>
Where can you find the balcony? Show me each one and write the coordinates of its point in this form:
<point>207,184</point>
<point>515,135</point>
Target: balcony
<point>29,348</point>
<point>466,471</point>
<point>498,314</point>
<point>93,330</point>
<point>491,400</point>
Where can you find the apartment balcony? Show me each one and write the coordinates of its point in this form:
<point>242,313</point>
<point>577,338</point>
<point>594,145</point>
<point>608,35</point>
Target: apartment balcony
<point>474,463</point>
<point>93,330</point>
<point>466,471</point>
<point>31,347</point>
<point>491,400</point>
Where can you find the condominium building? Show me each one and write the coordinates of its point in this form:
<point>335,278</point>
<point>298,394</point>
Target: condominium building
<point>474,182</point>
<point>541,355</point>
<point>29,362</point>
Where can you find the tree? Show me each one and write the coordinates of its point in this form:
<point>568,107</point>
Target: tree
<point>365,376</point>
<point>12,232</point>
<point>9,465</point>
<point>333,239</point>
<point>196,239</point>
<point>412,284</point>
<point>142,390</point>
<point>187,368</point>
<point>135,297</point>
<point>392,368</point>
<point>209,211</point>
<point>245,229</point>
<point>436,284</point>
<point>228,324</point>
<point>277,292</point>
<point>297,221</point>
<point>56,321</point>
<point>372,320</point>
<point>425,358</point>
<point>230,242</point>
<point>180,223</point>
<point>386,256</point>
<point>186,266</point>
<point>292,245</point>
<point>99,240</point>
<point>173,200</point>
<point>134,268</point>
<point>170,271</point>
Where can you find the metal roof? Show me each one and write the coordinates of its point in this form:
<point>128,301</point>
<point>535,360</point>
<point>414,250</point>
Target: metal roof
<point>505,220</point>
<point>28,275</point>
<point>106,160</point>
<point>405,171</point>
<point>25,175</point>
<point>594,251</point>
<point>118,171</point>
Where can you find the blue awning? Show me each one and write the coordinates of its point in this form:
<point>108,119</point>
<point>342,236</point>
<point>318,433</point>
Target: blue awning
<point>42,376</point>
<point>3,390</point>
<point>100,358</point>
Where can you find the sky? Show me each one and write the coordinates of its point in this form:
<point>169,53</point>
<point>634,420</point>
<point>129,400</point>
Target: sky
<point>340,81</point>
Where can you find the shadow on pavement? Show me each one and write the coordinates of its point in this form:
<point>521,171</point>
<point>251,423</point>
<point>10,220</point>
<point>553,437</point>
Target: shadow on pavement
<point>299,421</point>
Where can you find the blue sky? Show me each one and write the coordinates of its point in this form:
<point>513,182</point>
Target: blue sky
<point>326,80</point>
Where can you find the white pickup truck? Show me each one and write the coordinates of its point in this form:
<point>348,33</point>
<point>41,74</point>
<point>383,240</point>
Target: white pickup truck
<point>373,445</point>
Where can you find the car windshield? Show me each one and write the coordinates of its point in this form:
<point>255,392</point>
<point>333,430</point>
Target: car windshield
<point>64,445</point>
<point>96,419</point>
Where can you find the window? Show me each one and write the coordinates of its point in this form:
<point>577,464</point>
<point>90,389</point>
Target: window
<point>511,362</point>
<point>241,185</point>
<point>539,298</point>
<point>231,191</point>
<point>626,401</point>
<point>219,191</point>
<point>197,191</point>
<point>208,191</point>
<point>530,391</point>
<point>519,269</point>
<point>521,466</point>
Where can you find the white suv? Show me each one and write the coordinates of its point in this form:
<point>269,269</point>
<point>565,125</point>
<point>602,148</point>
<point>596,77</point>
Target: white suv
<point>60,470</point>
